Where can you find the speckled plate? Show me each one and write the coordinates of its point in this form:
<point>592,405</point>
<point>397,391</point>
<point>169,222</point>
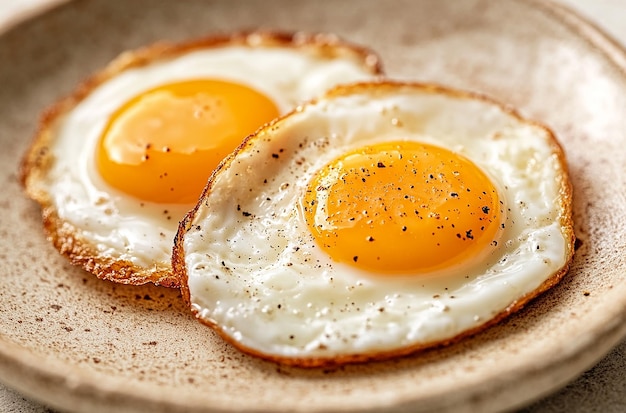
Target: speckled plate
<point>81,344</point>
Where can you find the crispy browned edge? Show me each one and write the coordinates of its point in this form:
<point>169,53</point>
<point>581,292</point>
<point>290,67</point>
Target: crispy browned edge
<point>565,204</point>
<point>37,159</point>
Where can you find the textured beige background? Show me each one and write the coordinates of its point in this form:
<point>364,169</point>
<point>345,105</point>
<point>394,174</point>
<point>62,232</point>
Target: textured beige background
<point>602,389</point>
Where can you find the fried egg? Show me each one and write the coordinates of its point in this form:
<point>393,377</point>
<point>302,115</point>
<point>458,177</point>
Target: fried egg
<point>117,164</point>
<point>382,219</point>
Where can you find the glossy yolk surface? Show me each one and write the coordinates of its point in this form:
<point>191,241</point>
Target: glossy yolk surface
<point>162,145</point>
<point>402,207</point>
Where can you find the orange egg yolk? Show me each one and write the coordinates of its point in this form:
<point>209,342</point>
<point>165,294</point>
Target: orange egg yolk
<point>162,145</point>
<point>403,207</point>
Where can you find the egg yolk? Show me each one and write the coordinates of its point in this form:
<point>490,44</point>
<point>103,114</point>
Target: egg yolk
<point>162,145</point>
<point>402,207</point>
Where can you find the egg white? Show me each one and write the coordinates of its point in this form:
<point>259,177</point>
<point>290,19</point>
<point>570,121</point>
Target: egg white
<point>123,227</point>
<point>256,274</point>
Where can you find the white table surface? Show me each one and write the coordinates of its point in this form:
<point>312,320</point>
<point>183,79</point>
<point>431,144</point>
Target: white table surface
<point>601,389</point>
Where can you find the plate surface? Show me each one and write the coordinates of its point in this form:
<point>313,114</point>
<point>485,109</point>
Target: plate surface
<point>81,344</point>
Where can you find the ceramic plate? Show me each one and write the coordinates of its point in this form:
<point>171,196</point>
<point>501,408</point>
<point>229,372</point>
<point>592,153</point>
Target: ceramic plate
<point>81,344</point>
